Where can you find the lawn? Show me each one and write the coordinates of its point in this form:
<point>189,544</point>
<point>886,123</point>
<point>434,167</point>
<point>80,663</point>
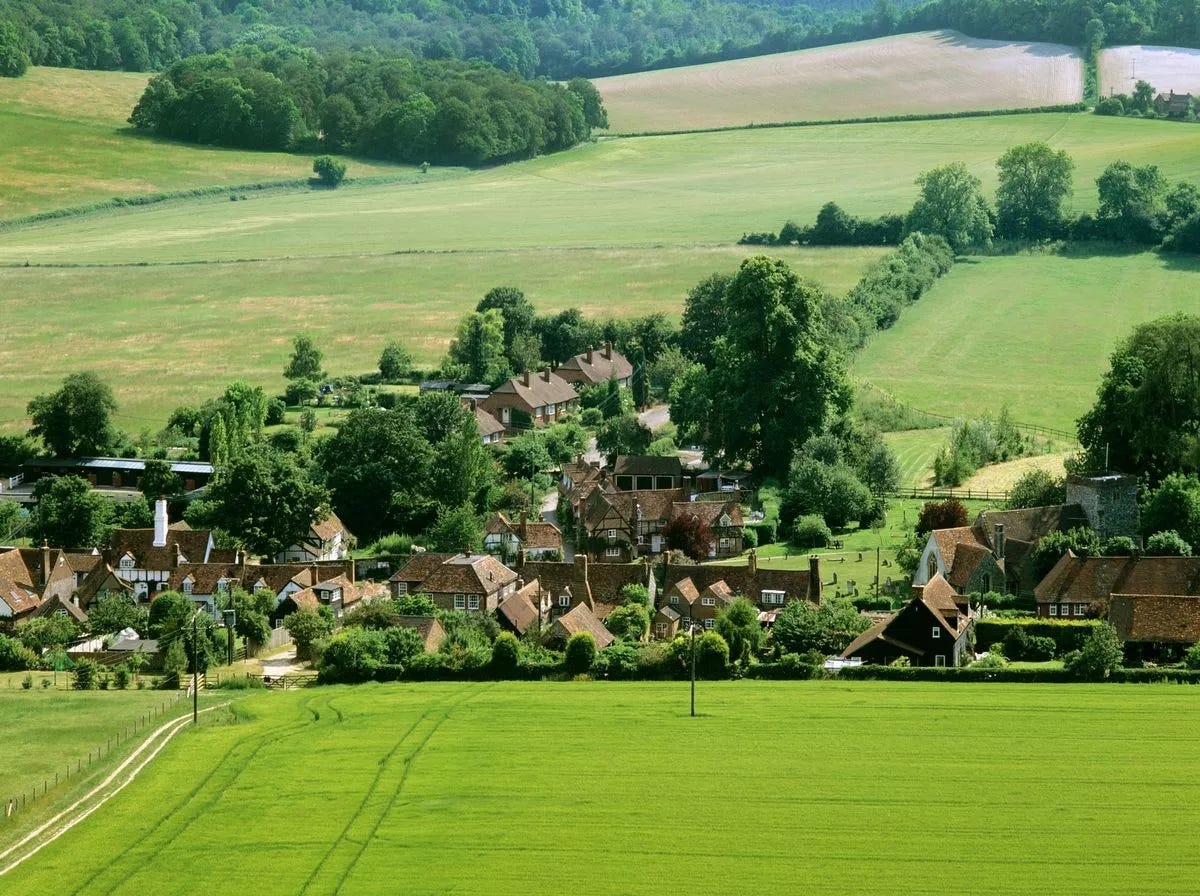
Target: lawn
<point>1034,333</point>
<point>65,142</point>
<point>210,324</point>
<point>530,788</point>
<point>909,74</point>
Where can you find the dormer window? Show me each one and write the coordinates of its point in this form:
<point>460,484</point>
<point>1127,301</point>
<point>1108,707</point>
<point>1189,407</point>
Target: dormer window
<point>674,599</point>
<point>223,587</point>
<point>725,522</point>
<point>126,562</point>
<point>187,586</point>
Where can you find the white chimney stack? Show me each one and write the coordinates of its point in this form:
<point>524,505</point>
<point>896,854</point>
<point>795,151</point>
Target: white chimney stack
<point>160,523</point>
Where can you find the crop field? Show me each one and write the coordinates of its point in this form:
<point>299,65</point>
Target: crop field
<point>1167,68</point>
<point>65,142</point>
<point>208,324</point>
<point>776,787</point>
<point>929,72</point>
<point>1032,332</point>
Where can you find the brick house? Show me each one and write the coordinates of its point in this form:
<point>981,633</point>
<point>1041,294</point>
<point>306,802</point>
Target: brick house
<point>531,400</point>
<point>491,431</point>
<point>579,620</point>
<point>591,368</point>
<point>1174,105</point>
<point>1082,587</point>
<point>476,583</point>
<point>598,585</point>
<point>931,630</point>
<point>507,538</point>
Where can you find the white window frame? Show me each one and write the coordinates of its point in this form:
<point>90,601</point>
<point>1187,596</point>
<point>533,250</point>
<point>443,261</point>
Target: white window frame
<point>473,602</point>
<point>660,629</point>
<point>564,600</point>
<point>402,587</point>
<point>126,563</point>
<point>709,623</point>
<point>726,543</point>
<point>612,552</point>
<point>673,599</point>
<point>708,601</point>
<point>1054,609</point>
<point>612,534</point>
<point>1079,609</point>
<point>460,602</point>
<point>187,586</point>
<point>937,632</point>
<point>939,660</point>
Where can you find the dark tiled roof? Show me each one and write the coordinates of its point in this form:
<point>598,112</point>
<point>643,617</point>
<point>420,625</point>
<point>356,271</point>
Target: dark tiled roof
<point>598,365</point>
<point>54,604</point>
<point>582,619</point>
<point>193,544</point>
<point>521,607</point>
<point>428,627</point>
<point>327,528</point>
<point>710,512</point>
<point>795,583</point>
<point>468,574</point>
<point>488,425</point>
<point>419,568</point>
<point>1092,580</point>
<point>647,465</point>
<point>1165,618</point>
<point>543,389</point>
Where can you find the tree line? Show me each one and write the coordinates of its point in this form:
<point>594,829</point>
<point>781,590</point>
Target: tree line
<point>384,107</point>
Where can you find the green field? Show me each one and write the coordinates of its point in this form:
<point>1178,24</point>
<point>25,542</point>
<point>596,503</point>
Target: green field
<point>65,142</point>
<point>1031,332</point>
<point>603,788</point>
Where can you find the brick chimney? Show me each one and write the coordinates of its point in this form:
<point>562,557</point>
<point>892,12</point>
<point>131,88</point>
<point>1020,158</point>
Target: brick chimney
<point>546,374</point>
<point>525,379</point>
<point>160,523</point>
<point>753,562</point>
<point>45,563</point>
<point>814,578</point>
<point>999,541</point>
<point>589,355</point>
<point>608,350</point>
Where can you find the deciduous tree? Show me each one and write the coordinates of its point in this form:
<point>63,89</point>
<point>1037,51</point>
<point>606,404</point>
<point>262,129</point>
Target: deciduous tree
<point>952,206</point>
<point>70,514</point>
<point>75,421</point>
<point>305,362</point>
<point>1034,182</point>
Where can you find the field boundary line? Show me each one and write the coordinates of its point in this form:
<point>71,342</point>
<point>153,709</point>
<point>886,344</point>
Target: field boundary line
<point>158,739</point>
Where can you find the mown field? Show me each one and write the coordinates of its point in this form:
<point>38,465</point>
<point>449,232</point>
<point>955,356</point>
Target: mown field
<point>611,788</point>
<point>65,142</point>
<point>929,72</point>
<point>1167,68</point>
<point>1034,333</point>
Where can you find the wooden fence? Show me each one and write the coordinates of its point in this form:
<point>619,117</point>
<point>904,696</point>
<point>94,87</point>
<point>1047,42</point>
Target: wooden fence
<point>938,493</point>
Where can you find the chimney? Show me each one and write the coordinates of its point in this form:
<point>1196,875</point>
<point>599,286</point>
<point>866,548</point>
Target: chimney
<point>546,374</point>
<point>522,557</point>
<point>178,555</point>
<point>753,562</point>
<point>45,563</point>
<point>999,541</point>
<point>312,573</point>
<point>525,379</point>
<point>581,561</point>
<point>589,355</point>
<point>160,523</point>
<point>814,578</point>
<point>473,403</point>
<point>608,350</point>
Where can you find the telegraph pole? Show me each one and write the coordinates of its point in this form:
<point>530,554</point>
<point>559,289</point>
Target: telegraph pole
<point>195,672</point>
<point>692,626</point>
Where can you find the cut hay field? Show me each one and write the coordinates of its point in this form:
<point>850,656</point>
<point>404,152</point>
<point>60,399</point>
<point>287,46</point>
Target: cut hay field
<point>65,142</point>
<point>928,72</point>
<point>165,335</point>
<point>608,788</point>
<point>1167,68</point>
<point>1034,333</point>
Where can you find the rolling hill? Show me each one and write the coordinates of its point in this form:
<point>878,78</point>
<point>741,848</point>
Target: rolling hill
<point>928,72</point>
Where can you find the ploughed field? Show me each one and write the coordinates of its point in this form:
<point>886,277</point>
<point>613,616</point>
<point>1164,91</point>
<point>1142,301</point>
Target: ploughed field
<point>1167,68</point>
<point>911,74</point>
<point>532,788</point>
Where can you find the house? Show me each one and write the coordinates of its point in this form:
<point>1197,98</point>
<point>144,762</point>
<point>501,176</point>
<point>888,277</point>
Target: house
<point>146,557</point>
<point>691,605</point>
<point>1174,105</point>
<point>643,473</point>
<point>491,431</point>
<point>579,620</point>
<point>538,540</point>
<point>724,519</point>
<point>531,400</point>
<point>476,583</point>
<point>526,608</point>
<point>931,630</point>
<point>768,589</point>
<point>1081,587</point>
<point>665,624</point>
<point>57,606</point>
<point>114,472</point>
<point>627,525</point>
<point>327,539</point>
<point>591,368</point>
<point>596,585</point>
<point>31,576</point>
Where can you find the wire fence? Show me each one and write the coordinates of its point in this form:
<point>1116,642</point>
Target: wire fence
<point>28,798</point>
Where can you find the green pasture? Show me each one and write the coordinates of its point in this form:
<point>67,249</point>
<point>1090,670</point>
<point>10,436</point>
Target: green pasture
<point>680,190</point>
<point>65,142</point>
<point>1032,332</point>
<point>915,450</point>
<point>169,335</point>
<point>611,788</point>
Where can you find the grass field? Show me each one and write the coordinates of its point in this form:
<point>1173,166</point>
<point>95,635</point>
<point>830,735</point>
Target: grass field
<point>933,71</point>
<point>65,142</point>
<point>611,788</point>
<point>1167,68</point>
<point>915,450</point>
<point>1031,332</point>
<point>208,324</point>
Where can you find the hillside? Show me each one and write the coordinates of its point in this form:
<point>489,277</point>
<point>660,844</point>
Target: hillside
<point>930,72</point>
<point>1167,68</point>
<point>65,142</point>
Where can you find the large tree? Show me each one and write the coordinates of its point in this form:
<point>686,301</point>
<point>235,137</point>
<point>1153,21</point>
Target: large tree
<point>774,377</point>
<point>1034,181</point>
<point>305,362</point>
<point>1146,419</point>
<point>704,318</point>
<point>70,514</point>
<point>1132,202</point>
<point>519,318</point>
<point>477,350</point>
<point>75,421</point>
<point>952,206</point>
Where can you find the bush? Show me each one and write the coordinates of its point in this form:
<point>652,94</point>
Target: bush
<point>766,532</point>
<point>86,675</point>
<point>353,654</point>
<point>789,667</point>
<point>121,677</point>
<point>506,655</point>
<point>1019,645</point>
<point>580,653</point>
<point>810,532</point>
<point>329,170</point>
<point>1167,544</point>
<point>1191,659</point>
<point>15,656</point>
<point>1100,656</point>
<point>27,681</point>
<point>749,538</point>
<point>242,683</point>
<point>1066,635</point>
<point>712,656</point>
<point>619,662</point>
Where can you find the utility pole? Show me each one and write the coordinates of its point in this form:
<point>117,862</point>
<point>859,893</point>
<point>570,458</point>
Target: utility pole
<point>692,626</point>
<point>195,672</point>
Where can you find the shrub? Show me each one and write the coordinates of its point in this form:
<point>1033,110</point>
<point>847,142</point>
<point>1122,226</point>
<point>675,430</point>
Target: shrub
<point>353,654</point>
<point>15,656</point>
<point>810,532</point>
<point>86,675</point>
<point>749,538</point>
<point>712,656</point>
<point>1167,544</point>
<point>580,653</point>
<point>591,417</point>
<point>1066,635</point>
<point>329,170</point>
<point>994,660</point>
<point>619,662</point>
<point>121,677</point>
<point>506,655</point>
<point>1191,659</point>
<point>1100,656</point>
<point>766,532</point>
<point>789,667</point>
<point>27,681</point>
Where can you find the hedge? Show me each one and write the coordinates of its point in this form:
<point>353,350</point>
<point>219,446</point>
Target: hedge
<point>1067,635</point>
<point>767,532</point>
<point>1056,676</point>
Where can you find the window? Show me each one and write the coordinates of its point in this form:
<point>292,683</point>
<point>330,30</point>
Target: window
<point>708,623</point>
<point>126,563</point>
<point>612,552</point>
<point>223,587</point>
<point>187,586</point>
<point>402,587</point>
<point>506,416</point>
<point>939,660</point>
<point>708,601</point>
<point>641,539</point>
<point>1080,609</point>
<point>473,602</point>
<point>726,544</point>
<point>612,534</point>
<point>773,598</point>
<point>564,600</point>
<point>460,602</point>
<point>1054,609</point>
<point>674,599</point>
<point>660,629</point>
<point>937,632</point>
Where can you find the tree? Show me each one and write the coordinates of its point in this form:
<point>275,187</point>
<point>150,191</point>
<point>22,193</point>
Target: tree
<point>951,205</point>
<point>1037,488</point>
<point>159,481</point>
<point>14,451</point>
<point>832,491</point>
<point>1174,505</point>
<point>252,615</point>
<point>1147,411</point>
<point>415,605</point>
<point>307,627</point>
<point>117,612</point>
<point>457,529</point>
<point>1080,541</point>
<point>688,532</point>
<point>948,514</point>
<point>340,123</point>
<point>629,622</point>
<point>704,313</point>
<point>566,334</point>
<point>775,377</point>
<point>1132,202</point>
<point>69,513</point>
<point>801,627</point>
<point>169,614</point>
<point>1167,544</point>
<point>43,632</point>
<point>1143,96</point>
<point>506,655</point>
<point>622,435</point>
<point>395,362</point>
<point>305,362</point>
<point>526,455</point>
<point>580,653</point>
<point>75,420</point>
<point>1034,181</point>
<point>521,344</point>
<point>15,656</point>
<point>478,347</point>
<point>641,382</point>
<point>13,58</point>
<point>352,655</point>
<point>738,624</point>
<point>634,593</point>
<point>329,171</point>
<point>712,656</point>
<point>86,675</point>
<point>265,500</point>
<point>1100,656</point>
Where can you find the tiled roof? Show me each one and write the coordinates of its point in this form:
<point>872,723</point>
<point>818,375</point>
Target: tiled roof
<point>668,613</point>
<point>647,465</point>
<point>1029,524</point>
<point>488,425</point>
<point>468,574</point>
<point>19,600</point>
<point>521,607</point>
<point>84,562</point>
<point>52,605</point>
<point>555,577</point>
<point>14,569</point>
<point>327,528</point>
<point>684,588</point>
<point>938,594</point>
<point>710,512</point>
<point>967,558</point>
<point>419,568</point>
<point>542,389</point>
<point>581,619</point>
<point>795,583</point>
<point>1092,580</point>
<point>1167,618</point>
<point>948,540</point>
<point>428,627</point>
<point>193,544</point>
<point>497,524</point>
<point>599,365</point>
<point>205,576</point>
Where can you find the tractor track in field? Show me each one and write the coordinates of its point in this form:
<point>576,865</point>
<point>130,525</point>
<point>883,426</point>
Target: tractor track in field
<point>116,781</point>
